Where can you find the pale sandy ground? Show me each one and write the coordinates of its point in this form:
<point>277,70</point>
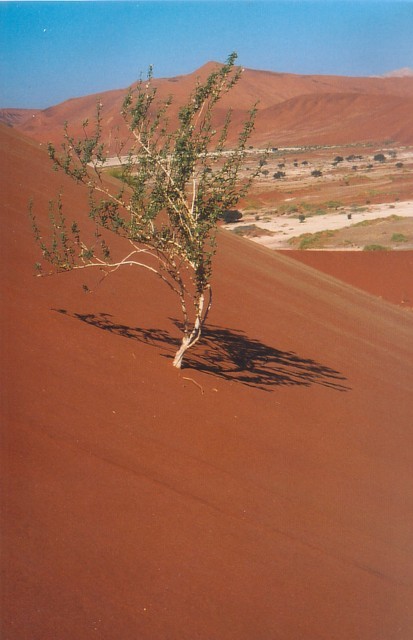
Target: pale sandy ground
<point>284,228</point>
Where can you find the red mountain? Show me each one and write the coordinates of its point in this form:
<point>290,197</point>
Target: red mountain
<point>293,109</point>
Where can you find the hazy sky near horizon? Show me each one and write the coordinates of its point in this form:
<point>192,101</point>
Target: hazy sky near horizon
<point>52,51</point>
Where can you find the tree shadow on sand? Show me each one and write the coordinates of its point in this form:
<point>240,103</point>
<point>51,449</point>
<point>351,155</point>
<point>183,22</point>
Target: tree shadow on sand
<point>229,354</point>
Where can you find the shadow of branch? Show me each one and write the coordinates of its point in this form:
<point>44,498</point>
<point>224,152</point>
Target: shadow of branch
<point>229,354</point>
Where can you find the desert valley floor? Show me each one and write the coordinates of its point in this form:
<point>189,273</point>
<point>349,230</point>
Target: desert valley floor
<point>263,492</point>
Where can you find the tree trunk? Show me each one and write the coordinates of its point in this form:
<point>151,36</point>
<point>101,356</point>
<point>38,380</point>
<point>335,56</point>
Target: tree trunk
<point>179,355</point>
<point>187,342</point>
<point>190,339</point>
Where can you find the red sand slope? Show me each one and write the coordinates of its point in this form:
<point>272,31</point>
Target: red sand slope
<point>336,119</point>
<point>387,274</point>
<point>293,109</point>
<point>275,504</point>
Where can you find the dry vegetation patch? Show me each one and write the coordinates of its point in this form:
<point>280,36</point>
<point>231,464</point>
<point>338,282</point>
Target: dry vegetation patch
<point>252,231</point>
<point>374,235</point>
<point>301,183</point>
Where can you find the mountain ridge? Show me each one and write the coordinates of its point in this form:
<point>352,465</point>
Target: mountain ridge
<point>270,89</point>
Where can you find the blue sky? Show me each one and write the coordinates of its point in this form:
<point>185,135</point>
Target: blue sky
<point>51,51</point>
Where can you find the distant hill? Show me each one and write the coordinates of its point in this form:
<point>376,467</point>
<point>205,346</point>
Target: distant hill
<point>404,72</point>
<point>293,109</point>
<point>16,117</point>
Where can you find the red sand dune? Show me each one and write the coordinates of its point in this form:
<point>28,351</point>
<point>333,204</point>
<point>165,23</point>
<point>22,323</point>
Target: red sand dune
<point>387,274</point>
<point>271,501</point>
<point>337,119</point>
<point>293,109</point>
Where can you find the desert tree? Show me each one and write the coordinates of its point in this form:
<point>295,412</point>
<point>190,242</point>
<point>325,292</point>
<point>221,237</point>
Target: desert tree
<point>176,182</point>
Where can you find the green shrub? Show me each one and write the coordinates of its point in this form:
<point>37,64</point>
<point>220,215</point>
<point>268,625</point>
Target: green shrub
<point>315,239</point>
<point>398,237</point>
<point>121,173</point>
<point>251,231</point>
<point>169,218</point>
<point>245,229</point>
<point>312,240</point>
<point>375,247</point>
<point>288,209</point>
<point>116,172</point>
<point>232,215</point>
<point>334,204</point>
<point>368,223</point>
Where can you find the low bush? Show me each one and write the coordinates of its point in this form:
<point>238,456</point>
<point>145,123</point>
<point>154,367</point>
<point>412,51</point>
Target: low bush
<point>251,231</point>
<point>398,237</point>
<point>315,239</point>
<point>374,247</point>
<point>334,204</point>
<point>312,240</point>
<point>232,215</point>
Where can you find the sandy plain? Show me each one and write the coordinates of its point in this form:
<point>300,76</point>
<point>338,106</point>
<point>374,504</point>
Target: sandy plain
<point>353,203</point>
<point>283,231</point>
